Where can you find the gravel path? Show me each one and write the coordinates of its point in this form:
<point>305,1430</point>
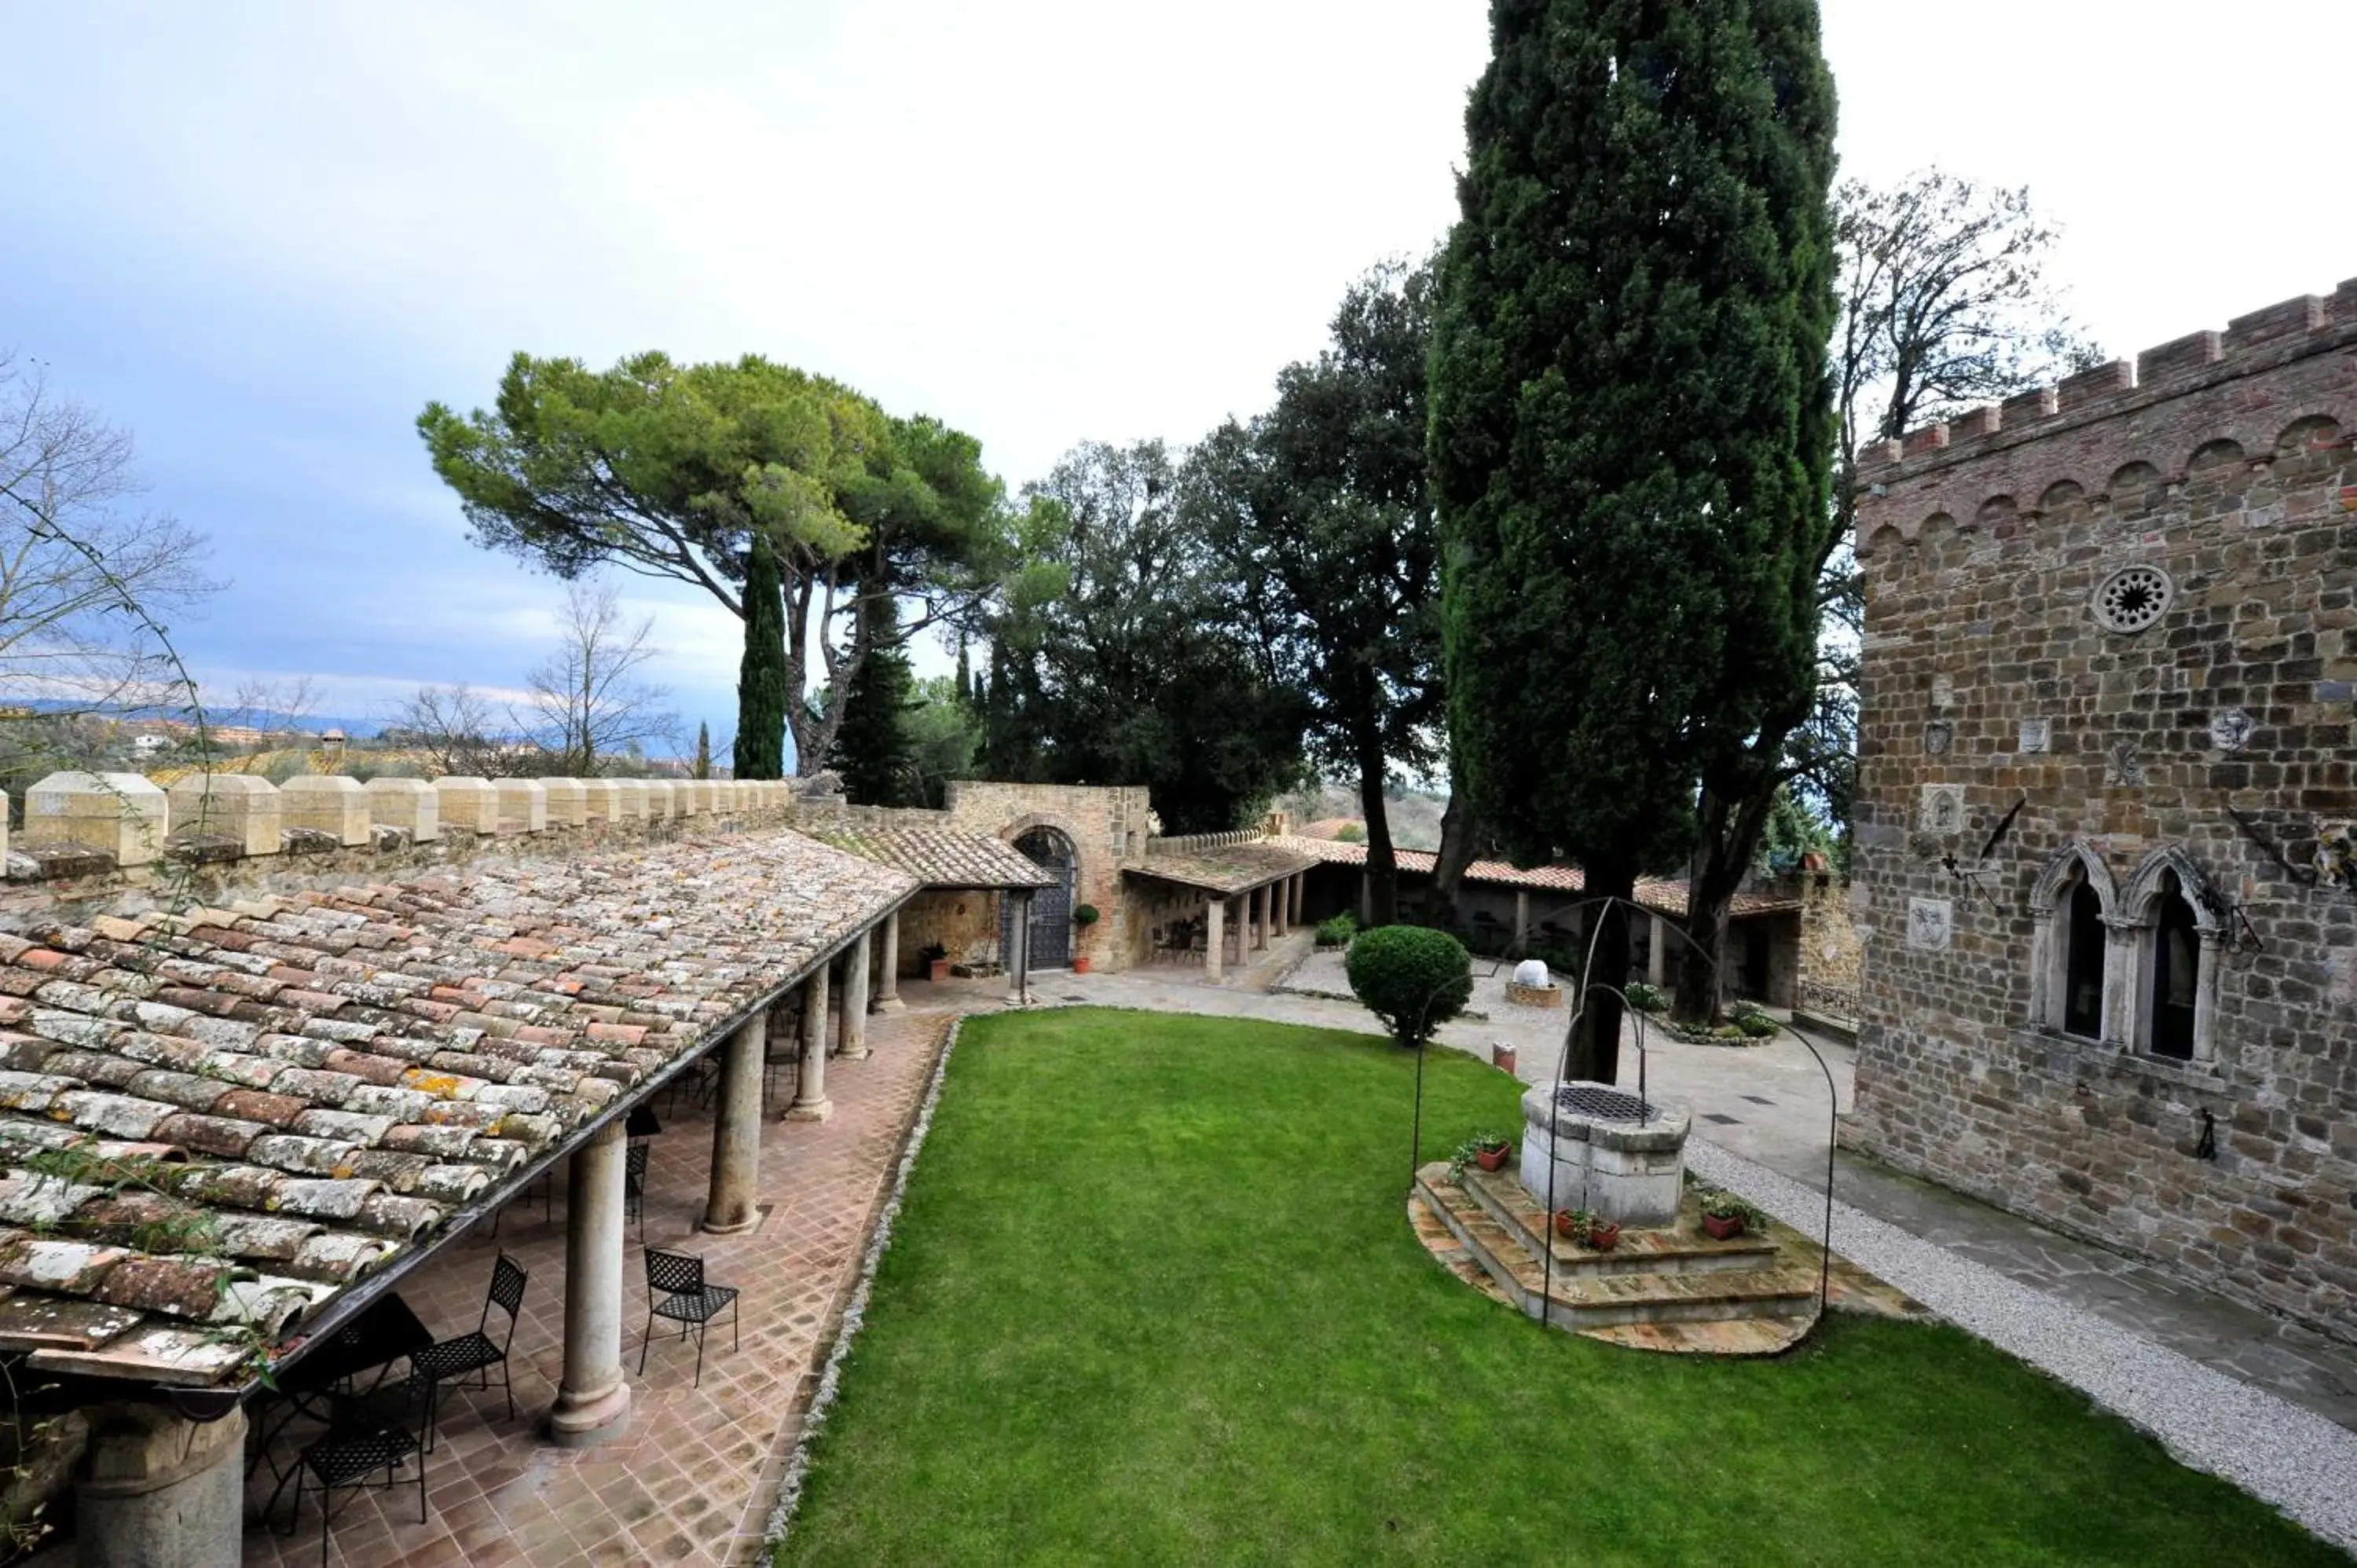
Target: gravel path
<point>2289,1457</point>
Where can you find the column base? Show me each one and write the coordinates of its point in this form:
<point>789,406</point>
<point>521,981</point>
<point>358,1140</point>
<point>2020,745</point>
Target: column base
<point>160,1492</point>
<point>587,1421</point>
<point>861,1055</point>
<point>814,1110</point>
<point>712,1227</point>
<point>890,1004</point>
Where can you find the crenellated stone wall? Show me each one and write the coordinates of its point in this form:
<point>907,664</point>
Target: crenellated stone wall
<point>2119,619</point>
<point>118,843</point>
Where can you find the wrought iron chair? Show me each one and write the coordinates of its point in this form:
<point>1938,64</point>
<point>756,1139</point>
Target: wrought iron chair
<point>634,1185</point>
<point>687,1301</point>
<point>478,1353</point>
<point>545,1185</point>
<point>377,1430</point>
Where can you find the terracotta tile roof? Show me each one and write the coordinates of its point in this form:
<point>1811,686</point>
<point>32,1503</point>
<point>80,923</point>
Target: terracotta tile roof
<point>310,1086</point>
<point>1326,827</point>
<point>935,857</point>
<point>1662,896</point>
<point>1229,869</point>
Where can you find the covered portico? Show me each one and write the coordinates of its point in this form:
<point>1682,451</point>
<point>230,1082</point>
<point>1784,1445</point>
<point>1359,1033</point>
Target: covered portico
<point>1218,903</point>
<point>325,1093</point>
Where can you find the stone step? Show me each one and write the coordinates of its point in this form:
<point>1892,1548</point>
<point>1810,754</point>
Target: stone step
<point>1585,1300</point>
<point>1683,1250</point>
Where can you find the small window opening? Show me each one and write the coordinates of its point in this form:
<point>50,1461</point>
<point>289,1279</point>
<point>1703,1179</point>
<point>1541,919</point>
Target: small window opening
<point>2176,966</point>
<point>2082,984</point>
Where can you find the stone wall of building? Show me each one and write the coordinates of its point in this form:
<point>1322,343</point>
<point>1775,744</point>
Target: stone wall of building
<point>1108,827</point>
<point>1830,951</point>
<point>2119,617</point>
<point>964,920</point>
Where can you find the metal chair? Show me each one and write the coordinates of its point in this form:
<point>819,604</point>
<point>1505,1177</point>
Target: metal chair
<point>545,1183</point>
<point>378,1431</point>
<point>634,1185</point>
<point>687,1301</point>
<point>477,1352</point>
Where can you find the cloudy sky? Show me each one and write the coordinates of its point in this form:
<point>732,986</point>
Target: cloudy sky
<point>262,235</point>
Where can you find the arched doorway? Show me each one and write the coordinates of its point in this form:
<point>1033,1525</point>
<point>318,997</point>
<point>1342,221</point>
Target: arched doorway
<point>1051,907</point>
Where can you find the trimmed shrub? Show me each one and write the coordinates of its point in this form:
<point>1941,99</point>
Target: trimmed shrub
<point>1645,998</point>
<point>1336,932</point>
<point>1753,1022</point>
<point>1413,978</point>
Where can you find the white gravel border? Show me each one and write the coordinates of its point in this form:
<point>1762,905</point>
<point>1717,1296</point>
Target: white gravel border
<point>2278,1451</point>
<point>789,1487</point>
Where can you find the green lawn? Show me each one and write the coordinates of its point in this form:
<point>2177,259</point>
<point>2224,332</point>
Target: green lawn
<point>1154,1299</point>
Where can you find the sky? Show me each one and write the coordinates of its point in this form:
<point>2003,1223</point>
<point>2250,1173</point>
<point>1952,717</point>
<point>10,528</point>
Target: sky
<point>263,236</point>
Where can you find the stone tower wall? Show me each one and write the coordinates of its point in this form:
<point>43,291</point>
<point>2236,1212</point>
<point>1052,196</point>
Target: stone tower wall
<point>2224,460</point>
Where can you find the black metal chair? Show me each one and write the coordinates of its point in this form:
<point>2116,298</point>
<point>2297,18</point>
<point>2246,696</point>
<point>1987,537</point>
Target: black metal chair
<point>478,1353</point>
<point>634,1185</point>
<point>687,1301</point>
<point>545,1185</point>
<point>372,1432</point>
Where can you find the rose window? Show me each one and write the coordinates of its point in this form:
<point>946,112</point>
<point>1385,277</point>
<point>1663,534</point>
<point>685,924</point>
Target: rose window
<point>2133,597</point>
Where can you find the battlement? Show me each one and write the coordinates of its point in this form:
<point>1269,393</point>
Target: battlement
<point>100,839</point>
<point>2289,370</point>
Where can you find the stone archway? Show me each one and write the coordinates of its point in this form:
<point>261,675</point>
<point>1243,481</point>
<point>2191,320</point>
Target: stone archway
<point>1051,907</point>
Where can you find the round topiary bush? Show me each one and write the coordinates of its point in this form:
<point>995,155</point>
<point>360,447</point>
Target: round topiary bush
<point>1413,978</point>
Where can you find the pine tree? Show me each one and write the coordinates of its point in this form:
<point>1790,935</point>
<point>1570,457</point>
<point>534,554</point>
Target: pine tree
<point>1630,433</point>
<point>873,749</point>
<point>762,690</point>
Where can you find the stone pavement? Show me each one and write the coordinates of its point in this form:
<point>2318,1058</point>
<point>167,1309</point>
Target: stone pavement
<point>693,1476</point>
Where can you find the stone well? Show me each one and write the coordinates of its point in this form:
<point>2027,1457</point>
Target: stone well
<point>1610,1152</point>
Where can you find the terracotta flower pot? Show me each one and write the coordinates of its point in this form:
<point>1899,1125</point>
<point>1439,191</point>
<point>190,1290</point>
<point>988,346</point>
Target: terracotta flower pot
<point>1079,963</point>
<point>1722,1230</point>
<point>1491,1159</point>
<point>1604,1237</point>
<point>1563,1225</point>
<point>938,969</point>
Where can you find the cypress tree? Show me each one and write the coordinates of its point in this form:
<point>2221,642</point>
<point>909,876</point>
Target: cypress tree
<point>1630,432</point>
<point>761,692</point>
<point>703,751</point>
<point>873,749</point>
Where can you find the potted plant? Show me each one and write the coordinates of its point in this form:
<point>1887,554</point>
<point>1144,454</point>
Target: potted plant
<point>1725,1215</point>
<point>1490,1149</point>
<point>937,962</point>
<point>1083,917</point>
<point>1588,1228</point>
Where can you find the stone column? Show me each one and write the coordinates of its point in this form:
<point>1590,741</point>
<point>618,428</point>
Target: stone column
<point>1657,950</point>
<point>1366,900</point>
<point>1259,918</point>
<point>1019,961</point>
<point>1280,894</point>
<point>158,1490</point>
<point>593,1402</point>
<point>1521,916</point>
<point>2045,985</point>
<point>855,1000</point>
<point>1215,937</point>
<point>888,979</point>
<point>810,1103</point>
<point>736,1130</point>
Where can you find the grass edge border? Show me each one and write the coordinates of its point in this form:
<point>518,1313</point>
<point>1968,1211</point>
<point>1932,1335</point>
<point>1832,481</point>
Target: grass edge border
<point>879,1239</point>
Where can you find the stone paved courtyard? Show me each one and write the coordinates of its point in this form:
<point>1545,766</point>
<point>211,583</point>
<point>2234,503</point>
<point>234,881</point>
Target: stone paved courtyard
<point>693,1477</point>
